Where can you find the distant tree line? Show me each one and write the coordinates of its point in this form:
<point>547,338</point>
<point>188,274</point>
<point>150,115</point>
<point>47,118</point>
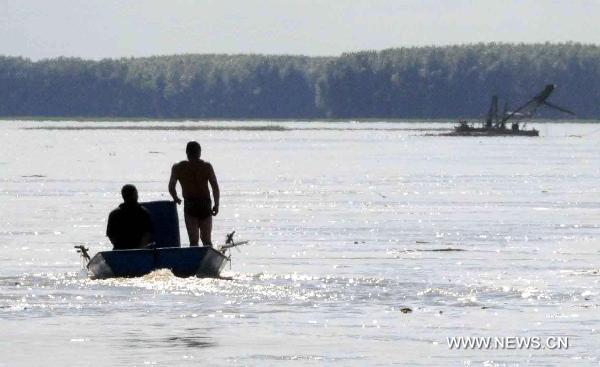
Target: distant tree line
<point>423,82</point>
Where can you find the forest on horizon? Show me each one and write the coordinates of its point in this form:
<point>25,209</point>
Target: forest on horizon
<point>419,82</point>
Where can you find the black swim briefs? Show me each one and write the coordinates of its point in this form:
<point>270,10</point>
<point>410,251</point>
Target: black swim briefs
<point>200,208</point>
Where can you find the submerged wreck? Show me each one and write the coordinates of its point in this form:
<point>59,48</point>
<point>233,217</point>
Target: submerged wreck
<point>164,253</point>
<point>496,125</point>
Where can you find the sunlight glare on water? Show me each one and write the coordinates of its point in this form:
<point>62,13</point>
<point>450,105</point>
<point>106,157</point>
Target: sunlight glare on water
<point>371,243</point>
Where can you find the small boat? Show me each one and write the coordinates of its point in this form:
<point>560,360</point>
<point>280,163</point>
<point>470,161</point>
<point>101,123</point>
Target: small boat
<point>203,262</point>
<point>164,253</point>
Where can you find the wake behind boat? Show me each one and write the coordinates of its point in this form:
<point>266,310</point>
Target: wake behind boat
<point>164,253</point>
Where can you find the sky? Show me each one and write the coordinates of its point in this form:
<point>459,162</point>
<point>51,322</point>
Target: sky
<point>95,29</point>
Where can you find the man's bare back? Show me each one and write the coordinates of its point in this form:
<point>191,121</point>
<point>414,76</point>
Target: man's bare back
<point>195,175</point>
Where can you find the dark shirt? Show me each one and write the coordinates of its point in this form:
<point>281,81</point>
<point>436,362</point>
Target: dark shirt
<point>127,225</point>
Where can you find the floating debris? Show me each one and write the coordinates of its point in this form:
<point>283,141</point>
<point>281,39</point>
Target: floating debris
<point>448,249</point>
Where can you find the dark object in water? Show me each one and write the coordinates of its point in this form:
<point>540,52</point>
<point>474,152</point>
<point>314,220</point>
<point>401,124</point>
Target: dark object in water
<point>406,310</point>
<point>164,253</point>
<point>495,125</point>
<point>464,129</point>
<point>447,249</point>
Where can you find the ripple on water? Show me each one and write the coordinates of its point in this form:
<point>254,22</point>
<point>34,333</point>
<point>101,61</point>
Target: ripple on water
<point>51,293</point>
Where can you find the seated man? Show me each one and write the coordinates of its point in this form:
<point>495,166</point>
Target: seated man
<point>129,226</point>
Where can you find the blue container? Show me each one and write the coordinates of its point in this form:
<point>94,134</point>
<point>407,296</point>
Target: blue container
<point>165,221</point>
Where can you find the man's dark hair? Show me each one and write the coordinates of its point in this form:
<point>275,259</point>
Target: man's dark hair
<point>193,149</point>
<point>129,193</point>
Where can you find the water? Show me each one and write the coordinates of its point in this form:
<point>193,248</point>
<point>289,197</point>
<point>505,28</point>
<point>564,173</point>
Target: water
<point>349,224</point>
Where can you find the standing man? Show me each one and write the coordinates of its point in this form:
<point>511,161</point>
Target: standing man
<point>194,175</point>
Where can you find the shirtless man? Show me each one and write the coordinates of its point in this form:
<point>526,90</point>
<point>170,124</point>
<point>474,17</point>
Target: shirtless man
<point>194,175</point>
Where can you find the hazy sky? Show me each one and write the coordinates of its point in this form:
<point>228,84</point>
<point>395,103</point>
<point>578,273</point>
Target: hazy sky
<point>110,28</point>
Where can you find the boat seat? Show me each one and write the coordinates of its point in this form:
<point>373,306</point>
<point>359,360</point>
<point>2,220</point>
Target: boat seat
<point>165,222</point>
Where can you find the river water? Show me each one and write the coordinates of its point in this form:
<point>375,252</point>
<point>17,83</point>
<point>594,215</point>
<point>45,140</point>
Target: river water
<point>371,244</point>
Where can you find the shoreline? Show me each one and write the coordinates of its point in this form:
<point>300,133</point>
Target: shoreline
<point>448,120</point>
